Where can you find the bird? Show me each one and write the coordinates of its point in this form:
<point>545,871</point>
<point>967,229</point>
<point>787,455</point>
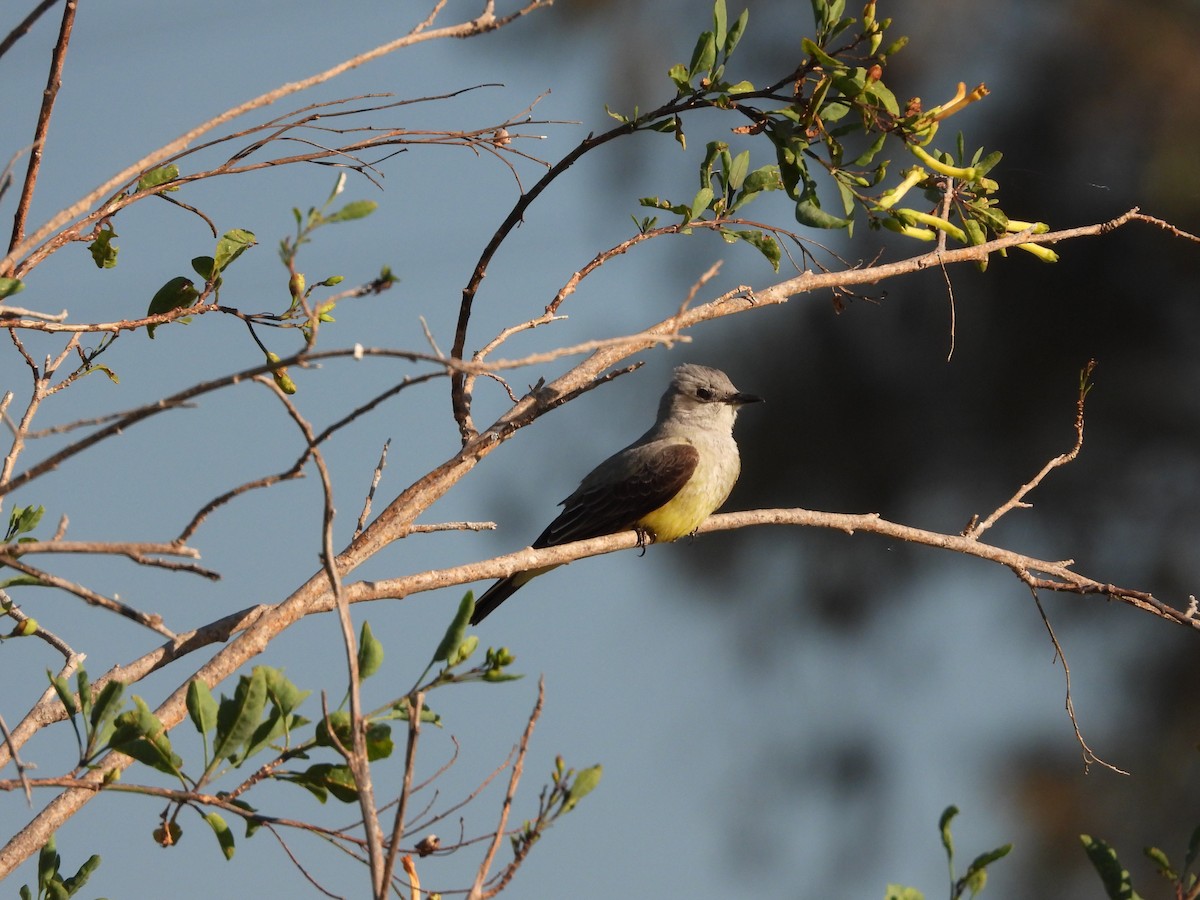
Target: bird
<point>662,486</point>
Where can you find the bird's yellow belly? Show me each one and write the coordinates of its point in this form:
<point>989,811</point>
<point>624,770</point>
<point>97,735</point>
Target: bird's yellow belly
<point>683,513</point>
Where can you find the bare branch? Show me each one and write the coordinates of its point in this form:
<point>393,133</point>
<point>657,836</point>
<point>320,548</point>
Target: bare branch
<point>378,474</point>
<point>477,891</point>
<point>1017,501</point>
<point>153,621</point>
<point>25,25</point>
<point>1089,755</point>
<point>416,703</point>
<point>486,21</point>
<point>49,96</point>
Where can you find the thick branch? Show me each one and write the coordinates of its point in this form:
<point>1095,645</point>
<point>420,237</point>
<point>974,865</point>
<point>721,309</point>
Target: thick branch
<point>1051,575</point>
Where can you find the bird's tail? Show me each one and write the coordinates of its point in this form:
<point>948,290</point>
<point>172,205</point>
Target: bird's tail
<point>502,590</point>
<point>495,595</point>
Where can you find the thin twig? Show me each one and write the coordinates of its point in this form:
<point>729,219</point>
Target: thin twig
<point>49,96</point>
<point>1017,500</point>
<point>21,766</point>
<point>1089,756</point>
<point>482,23</point>
<point>153,621</point>
<point>378,474</point>
<point>24,26</point>
<point>356,754</point>
<point>416,703</point>
<point>477,891</point>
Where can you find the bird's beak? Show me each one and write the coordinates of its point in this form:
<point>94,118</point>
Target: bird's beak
<point>740,399</point>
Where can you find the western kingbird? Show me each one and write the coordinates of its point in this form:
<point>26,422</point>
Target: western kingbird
<point>663,485</point>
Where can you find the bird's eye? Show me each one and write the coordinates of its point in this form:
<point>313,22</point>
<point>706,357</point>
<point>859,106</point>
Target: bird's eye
<point>704,394</point>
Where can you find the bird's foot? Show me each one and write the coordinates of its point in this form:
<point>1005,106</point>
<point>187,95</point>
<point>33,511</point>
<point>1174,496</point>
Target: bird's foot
<point>643,539</point>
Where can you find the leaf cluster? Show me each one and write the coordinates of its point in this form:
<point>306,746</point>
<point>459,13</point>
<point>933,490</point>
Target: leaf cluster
<point>971,882</point>
<point>51,885</point>
<point>261,718</point>
<point>830,124</point>
<point>1118,884</point>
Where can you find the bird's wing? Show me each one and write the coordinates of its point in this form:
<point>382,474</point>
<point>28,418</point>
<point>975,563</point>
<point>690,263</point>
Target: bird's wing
<point>621,490</point>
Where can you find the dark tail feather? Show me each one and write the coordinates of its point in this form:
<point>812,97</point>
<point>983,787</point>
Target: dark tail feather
<point>494,596</point>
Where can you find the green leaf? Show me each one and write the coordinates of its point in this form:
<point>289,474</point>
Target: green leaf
<point>678,73</point>
<point>221,830</point>
<point>238,716</point>
<point>158,176</point>
<point>704,57</point>
<point>809,212</point>
<point>986,859</point>
<point>355,209</point>
<point>883,94</point>
<point>22,581</point>
<point>83,689</point>
<point>80,878</point>
<point>284,695</point>
<point>766,178</point>
<point>1115,878</point>
<point>107,704</point>
<point>232,245</point>
<point>824,59</point>
<point>178,293</point>
<point>585,782</point>
<point>620,117</point>
<point>10,286</point>
<point>379,741</point>
<point>736,32</point>
<point>270,728</point>
<point>764,243</point>
<point>988,163</point>
<point>720,21</point>
<point>990,217</point>
<point>323,779</point>
<point>22,520</point>
<point>1161,862</point>
<point>65,695</point>
<point>335,725</point>
<point>370,652</point>
<point>458,628</point>
<point>1193,849</point>
<point>899,892</point>
<point>700,203</point>
<point>141,735</point>
<point>712,152</point>
<point>869,154</point>
<point>339,185</point>
<point>104,252</point>
<point>201,706</point>
<point>847,195</point>
<point>944,827</point>
<point>205,267</point>
<point>739,170</point>
<point>401,710</point>
<point>48,861</point>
